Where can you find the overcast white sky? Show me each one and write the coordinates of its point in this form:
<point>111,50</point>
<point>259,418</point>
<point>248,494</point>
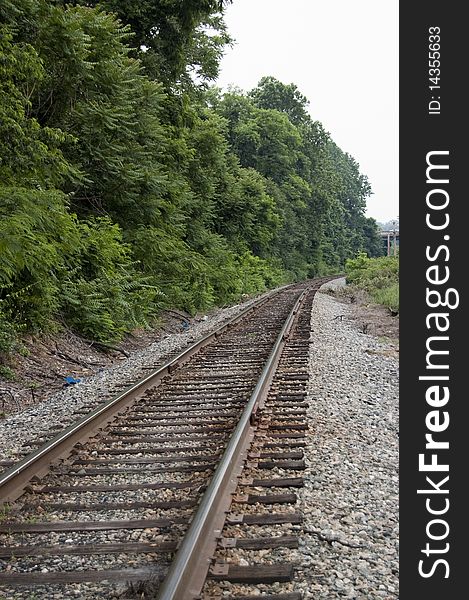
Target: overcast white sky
<point>342,55</point>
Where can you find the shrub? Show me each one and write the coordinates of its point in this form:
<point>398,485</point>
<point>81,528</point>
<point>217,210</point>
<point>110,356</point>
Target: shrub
<point>377,276</point>
<point>106,295</point>
<point>37,241</point>
<point>7,334</point>
<point>55,266</point>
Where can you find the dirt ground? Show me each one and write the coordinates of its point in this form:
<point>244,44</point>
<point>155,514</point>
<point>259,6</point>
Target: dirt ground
<point>372,319</point>
<point>44,363</point>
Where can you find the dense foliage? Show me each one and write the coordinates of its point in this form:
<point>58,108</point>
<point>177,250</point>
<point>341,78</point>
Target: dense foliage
<point>127,184</point>
<point>379,277</point>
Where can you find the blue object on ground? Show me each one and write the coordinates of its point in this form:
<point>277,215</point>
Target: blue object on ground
<point>69,380</point>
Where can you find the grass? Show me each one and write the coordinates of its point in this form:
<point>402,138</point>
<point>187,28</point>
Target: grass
<point>5,512</point>
<point>388,296</point>
<point>7,373</point>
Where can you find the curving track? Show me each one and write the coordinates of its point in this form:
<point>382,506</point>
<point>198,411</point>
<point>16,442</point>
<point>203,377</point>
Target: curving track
<point>174,480</point>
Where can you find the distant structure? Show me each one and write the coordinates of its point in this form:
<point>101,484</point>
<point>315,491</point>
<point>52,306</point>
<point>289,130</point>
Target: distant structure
<point>390,236</point>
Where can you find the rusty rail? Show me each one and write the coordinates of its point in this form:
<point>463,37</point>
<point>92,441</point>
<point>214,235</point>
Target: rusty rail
<point>189,569</point>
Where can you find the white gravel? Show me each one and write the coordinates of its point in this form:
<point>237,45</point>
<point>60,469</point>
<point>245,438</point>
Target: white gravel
<point>59,409</point>
<point>350,499</point>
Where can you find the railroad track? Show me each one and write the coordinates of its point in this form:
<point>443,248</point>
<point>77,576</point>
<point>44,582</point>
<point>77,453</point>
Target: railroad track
<point>167,490</point>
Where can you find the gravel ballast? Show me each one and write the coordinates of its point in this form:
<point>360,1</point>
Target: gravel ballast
<point>350,499</point>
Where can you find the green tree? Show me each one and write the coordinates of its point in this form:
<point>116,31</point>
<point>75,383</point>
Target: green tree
<point>126,185</point>
<point>29,153</point>
<point>272,93</point>
<point>172,37</point>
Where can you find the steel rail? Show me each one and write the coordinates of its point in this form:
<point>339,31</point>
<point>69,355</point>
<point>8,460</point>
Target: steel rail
<point>14,480</point>
<point>189,569</point>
